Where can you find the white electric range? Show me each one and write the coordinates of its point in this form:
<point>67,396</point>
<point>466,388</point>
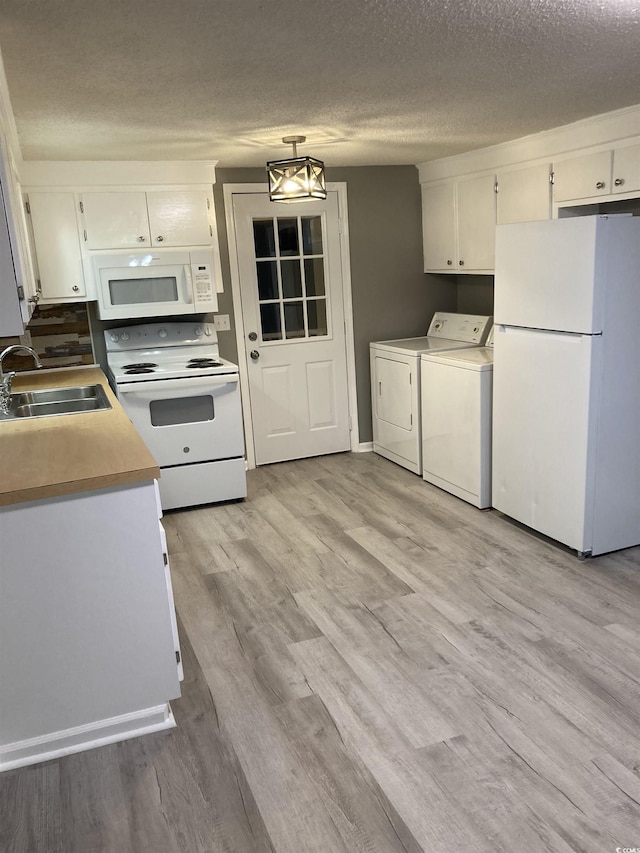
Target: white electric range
<point>184,400</point>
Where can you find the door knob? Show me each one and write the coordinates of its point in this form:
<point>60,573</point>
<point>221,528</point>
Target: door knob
<point>253,336</point>
<point>255,355</point>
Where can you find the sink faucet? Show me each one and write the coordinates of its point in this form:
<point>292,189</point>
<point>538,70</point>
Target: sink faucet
<point>6,379</point>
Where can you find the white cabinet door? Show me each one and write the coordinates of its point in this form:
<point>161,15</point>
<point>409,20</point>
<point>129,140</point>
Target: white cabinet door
<point>524,195</point>
<point>57,245</point>
<point>116,220</point>
<point>439,227</point>
<point>582,177</point>
<point>180,218</point>
<point>476,223</point>
<point>626,169</point>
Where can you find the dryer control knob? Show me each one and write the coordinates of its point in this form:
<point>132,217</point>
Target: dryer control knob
<point>207,331</point>
<point>115,338</point>
<point>125,336</point>
<point>198,332</point>
<point>162,333</point>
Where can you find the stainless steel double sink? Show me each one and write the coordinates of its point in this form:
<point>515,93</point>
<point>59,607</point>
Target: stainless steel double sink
<point>57,401</point>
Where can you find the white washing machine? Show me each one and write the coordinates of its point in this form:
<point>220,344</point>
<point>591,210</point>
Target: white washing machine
<point>395,383</point>
<point>457,391</point>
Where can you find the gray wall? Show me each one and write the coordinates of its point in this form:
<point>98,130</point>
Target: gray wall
<point>475,294</point>
<point>391,295</point>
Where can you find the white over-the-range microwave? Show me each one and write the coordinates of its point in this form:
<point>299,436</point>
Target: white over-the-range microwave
<point>154,283</point>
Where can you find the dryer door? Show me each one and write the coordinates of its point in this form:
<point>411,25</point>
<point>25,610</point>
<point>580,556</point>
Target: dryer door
<point>395,407</point>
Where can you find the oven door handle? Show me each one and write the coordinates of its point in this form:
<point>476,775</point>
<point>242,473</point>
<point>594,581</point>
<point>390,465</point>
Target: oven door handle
<point>179,385</point>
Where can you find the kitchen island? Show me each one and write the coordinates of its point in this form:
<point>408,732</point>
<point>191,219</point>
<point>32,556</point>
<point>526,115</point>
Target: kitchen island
<point>88,642</point>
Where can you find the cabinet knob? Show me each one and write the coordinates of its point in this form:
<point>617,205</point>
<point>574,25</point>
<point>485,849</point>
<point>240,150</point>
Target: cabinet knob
<point>159,239</point>
<point>255,355</point>
<point>618,182</point>
<point>253,336</point>
<point>141,239</point>
<point>75,288</point>
<point>461,263</point>
<point>449,263</point>
<point>599,185</point>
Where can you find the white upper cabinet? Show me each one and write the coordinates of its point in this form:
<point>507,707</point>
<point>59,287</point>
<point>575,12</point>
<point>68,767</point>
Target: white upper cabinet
<point>588,176</point>
<point>626,169</point>
<point>180,218</point>
<point>524,195</point>
<point>57,246</point>
<point>115,220</point>
<point>158,218</point>
<point>439,226</point>
<point>476,208</point>
<point>458,225</point>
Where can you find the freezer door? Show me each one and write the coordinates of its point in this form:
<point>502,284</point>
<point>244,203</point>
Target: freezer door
<point>544,431</point>
<point>547,274</point>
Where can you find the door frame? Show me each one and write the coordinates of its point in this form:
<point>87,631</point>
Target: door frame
<point>345,262</point>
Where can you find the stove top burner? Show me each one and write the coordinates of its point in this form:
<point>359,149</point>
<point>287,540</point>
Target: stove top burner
<point>140,369</point>
<point>138,364</point>
<point>203,362</point>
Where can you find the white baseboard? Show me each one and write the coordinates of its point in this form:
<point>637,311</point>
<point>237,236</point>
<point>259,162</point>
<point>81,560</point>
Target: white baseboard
<point>365,447</point>
<point>100,733</point>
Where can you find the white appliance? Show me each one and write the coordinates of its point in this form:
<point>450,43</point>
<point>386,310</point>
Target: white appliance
<point>154,283</point>
<point>457,391</point>
<point>395,383</point>
<point>184,400</point>
<point>566,416</point>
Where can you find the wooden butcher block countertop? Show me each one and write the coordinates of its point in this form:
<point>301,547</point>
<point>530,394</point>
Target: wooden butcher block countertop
<point>64,454</point>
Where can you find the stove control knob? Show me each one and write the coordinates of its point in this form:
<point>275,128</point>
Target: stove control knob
<point>162,333</point>
<point>115,338</point>
<point>125,336</point>
<point>198,332</point>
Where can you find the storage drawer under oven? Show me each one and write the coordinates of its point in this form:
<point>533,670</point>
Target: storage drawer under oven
<point>187,420</point>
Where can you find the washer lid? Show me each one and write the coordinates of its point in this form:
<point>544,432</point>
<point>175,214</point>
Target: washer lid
<point>475,358</point>
<point>416,346</point>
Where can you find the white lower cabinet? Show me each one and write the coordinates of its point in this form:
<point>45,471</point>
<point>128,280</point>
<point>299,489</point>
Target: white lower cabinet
<point>87,625</point>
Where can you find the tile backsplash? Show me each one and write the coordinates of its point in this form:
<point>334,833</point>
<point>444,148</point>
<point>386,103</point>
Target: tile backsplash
<point>60,335</point>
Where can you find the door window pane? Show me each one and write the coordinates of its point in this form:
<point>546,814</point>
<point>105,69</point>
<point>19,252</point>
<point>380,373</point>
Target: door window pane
<point>288,236</point>
<point>267,279</point>
<point>317,313</point>
<point>314,276</point>
<point>312,235</point>
<point>263,238</point>
<point>291,279</point>
<point>270,322</point>
<point>294,319</point>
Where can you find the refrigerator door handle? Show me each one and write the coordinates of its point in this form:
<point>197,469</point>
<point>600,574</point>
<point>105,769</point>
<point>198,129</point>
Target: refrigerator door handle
<point>514,330</point>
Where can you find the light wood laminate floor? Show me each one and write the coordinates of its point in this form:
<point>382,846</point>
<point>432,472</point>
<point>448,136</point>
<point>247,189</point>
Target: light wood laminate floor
<point>372,666</point>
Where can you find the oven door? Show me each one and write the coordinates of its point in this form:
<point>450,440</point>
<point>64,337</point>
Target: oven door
<point>187,420</point>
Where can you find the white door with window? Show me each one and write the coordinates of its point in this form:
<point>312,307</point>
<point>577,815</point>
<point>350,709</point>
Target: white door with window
<point>290,276</point>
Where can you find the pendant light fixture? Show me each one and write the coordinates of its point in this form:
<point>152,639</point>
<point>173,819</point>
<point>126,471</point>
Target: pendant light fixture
<point>296,179</point>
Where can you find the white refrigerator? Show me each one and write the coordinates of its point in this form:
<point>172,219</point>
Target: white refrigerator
<point>566,394</point>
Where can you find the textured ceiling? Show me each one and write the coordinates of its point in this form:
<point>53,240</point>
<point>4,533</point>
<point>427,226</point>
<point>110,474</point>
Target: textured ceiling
<point>367,81</point>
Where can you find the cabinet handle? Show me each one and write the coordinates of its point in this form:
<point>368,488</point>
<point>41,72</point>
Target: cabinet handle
<point>159,239</point>
<point>141,239</point>
<point>449,263</point>
<point>75,288</point>
<point>599,185</point>
<point>618,182</point>
<point>461,263</point>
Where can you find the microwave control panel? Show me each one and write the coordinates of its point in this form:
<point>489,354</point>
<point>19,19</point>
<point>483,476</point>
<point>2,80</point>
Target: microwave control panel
<point>202,283</point>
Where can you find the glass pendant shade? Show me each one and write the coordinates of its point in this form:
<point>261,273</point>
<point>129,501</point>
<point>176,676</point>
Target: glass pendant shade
<point>296,179</point>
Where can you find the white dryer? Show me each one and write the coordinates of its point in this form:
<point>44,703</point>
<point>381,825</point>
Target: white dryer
<point>457,390</point>
<point>395,383</point>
